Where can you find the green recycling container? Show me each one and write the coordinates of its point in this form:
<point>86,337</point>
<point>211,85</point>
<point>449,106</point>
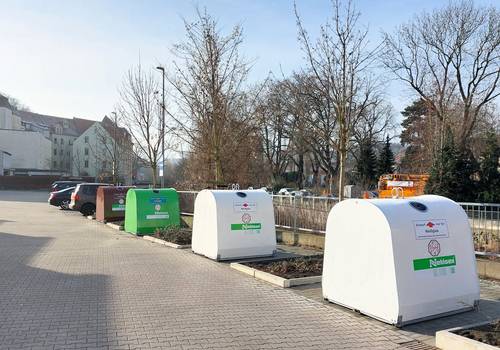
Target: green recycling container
<point>149,209</point>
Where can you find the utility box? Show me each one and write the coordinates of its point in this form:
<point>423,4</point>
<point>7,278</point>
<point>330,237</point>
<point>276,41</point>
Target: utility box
<point>233,224</point>
<point>110,203</point>
<point>400,260</point>
<point>149,209</point>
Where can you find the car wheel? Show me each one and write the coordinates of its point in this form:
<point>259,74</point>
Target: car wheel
<point>88,209</point>
<point>65,204</point>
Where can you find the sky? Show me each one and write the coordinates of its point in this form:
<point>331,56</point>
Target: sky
<point>68,58</point>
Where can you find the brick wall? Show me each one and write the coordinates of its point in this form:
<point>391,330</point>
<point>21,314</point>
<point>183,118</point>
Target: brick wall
<point>41,182</point>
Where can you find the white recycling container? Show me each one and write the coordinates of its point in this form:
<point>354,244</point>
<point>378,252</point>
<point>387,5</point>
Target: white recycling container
<point>231,224</point>
<point>400,260</point>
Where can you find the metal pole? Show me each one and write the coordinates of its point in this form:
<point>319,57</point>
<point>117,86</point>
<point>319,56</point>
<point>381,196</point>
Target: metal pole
<point>115,167</point>
<point>162,127</point>
<point>163,131</point>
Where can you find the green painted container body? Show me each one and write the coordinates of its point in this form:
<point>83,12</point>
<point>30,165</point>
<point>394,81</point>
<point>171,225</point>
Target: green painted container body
<point>149,209</point>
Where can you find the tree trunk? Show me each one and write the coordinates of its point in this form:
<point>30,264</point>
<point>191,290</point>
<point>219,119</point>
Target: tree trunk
<point>154,167</point>
<point>343,155</point>
<point>300,171</point>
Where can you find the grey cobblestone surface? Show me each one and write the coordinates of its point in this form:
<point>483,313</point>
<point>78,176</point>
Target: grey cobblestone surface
<point>67,282</point>
<point>489,309</point>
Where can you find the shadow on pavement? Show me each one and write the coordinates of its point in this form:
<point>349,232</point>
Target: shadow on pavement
<point>40,307</point>
<point>488,310</point>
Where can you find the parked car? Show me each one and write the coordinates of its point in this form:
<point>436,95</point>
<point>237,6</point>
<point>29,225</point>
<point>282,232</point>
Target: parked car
<point>61,198</point>
<point>268,190</point>
<point>302,193</point>
<point>61,185</point>
<point>286,191</point>
<point>83,198</point>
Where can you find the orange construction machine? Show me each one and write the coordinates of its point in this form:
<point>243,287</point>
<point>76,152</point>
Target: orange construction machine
<point>401,185</point>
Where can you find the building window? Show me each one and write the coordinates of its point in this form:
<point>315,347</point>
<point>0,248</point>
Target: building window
<point>67,165</point>
<point>61,164</point>
<point>86,151</point>
<point>55,164</point>
<point>86,139</point>
<point>86,164</point>
<point>62,141</point>
<point>70,142</point>
<point>67,153</point>
<point>55,139</point>
<point>55,151</point>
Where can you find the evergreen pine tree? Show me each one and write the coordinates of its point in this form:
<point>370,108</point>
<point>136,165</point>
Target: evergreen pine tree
<point>452,173</point>
<point>366,164</point>
<point>489,175</point>
<point>414,135</point>
<point>442,178</point>
<point>386,159</point>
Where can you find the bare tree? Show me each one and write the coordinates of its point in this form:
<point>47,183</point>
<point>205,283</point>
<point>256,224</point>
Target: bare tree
<point>273,122</point>
<point>114,148</point>
<point>450,58</point>
<point>207,83</point>
<point>15,103</point>
<point>375,123</point>
<point>77,161</point>
<point>140,112</point>
<point>338,62</point>
<point>298,130</point>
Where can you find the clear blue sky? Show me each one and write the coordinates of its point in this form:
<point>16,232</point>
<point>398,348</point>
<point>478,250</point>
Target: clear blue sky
<point>67,58</point>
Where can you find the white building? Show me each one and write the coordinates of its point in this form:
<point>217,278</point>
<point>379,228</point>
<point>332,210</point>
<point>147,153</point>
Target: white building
<point>7,119</point>
<point>44,144</point>
<point>62,132</point>
<point>5,163</point>
<point>101,146</point>
<point>29,149</point>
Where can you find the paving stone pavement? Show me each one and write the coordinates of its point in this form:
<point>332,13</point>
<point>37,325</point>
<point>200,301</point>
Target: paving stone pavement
<point>67,282</point>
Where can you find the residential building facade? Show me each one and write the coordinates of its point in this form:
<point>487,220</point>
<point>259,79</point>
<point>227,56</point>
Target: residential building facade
<point>29,149</point>
<point>26,149</point>
<point>103,151</point>
<point>43,144</point>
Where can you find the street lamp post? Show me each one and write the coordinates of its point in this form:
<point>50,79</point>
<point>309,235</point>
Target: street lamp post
<point>115,161</point>
<point>162,127</point>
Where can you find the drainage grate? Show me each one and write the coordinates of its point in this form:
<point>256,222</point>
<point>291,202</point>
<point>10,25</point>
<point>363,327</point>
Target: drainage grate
<point>415,345</point>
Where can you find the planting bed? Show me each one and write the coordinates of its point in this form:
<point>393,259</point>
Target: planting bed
<point>174,235</point>
<point>488,334</point>
<point>292,267</point>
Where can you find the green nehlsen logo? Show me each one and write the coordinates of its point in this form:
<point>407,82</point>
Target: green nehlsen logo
<point>244,227</point>
<point>433,263</point>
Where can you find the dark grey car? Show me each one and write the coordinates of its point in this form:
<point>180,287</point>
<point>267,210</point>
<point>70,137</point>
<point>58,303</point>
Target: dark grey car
<point>83,198</point>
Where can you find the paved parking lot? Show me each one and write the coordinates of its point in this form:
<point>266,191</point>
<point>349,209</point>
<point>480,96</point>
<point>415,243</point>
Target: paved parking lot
<point>68,282</point>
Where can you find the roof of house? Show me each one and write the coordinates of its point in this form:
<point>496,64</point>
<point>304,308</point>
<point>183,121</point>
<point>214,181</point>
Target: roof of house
<point>81,125</point>
<point>111,128</point>
<point>4,102</point>
<point>73,127</point>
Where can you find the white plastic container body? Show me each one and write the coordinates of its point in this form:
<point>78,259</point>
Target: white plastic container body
<point>233,224</point>
<point>399,264</point>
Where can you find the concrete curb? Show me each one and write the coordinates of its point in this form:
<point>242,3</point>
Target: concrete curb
<point>447,340</point>
<point>276,280</point>
<point>488,268</point>
<point>168,244</point>
<point>115,226</point>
